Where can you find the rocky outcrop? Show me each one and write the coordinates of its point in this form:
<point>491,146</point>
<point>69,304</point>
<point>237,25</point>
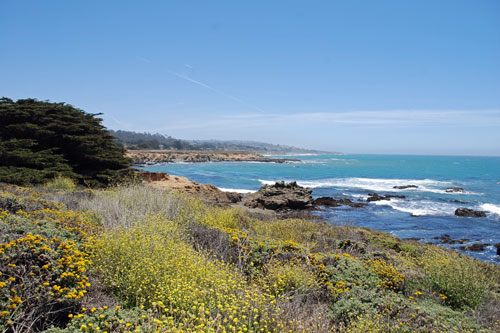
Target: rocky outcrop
<point>474,247</point>
<point>404,187</point>
<point>466,212</point>
<point>331,202</point>
<point>454,190</point>
<point>205,192</point>
<point>497,245</point>
<point>280,196</point>
<point>378,197</point>
<point>446,239</point>
<point>151,157</point>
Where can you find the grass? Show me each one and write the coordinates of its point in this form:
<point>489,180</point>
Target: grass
<point>134,258</point>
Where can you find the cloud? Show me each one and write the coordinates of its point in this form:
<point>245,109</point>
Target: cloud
<point>401,118</point>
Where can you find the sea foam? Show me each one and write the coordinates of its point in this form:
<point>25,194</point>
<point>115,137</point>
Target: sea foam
<point>420,207</point>
<point>237,190</point>
<point>495,209</point>
<point>379,184</point>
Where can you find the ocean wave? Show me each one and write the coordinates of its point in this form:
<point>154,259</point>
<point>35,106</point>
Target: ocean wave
<point>358,196</point>
<point>419,208</point>
<point>380,184</point>
<point>305,154</point>
<point>495,209</point>
<point>267,182</point>
<point>238,190</point>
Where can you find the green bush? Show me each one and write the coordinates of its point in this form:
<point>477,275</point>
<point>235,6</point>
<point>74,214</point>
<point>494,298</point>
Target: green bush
<point>461,281</point>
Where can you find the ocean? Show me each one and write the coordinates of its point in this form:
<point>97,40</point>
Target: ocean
<point>426,212</point>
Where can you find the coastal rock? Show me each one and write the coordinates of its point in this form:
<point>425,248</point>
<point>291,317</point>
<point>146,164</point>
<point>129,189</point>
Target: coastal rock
<point>378,197</point>
<point>152,157</point>
<point>446,239</point>
<point>454,190</point>
<point>205,192</point>
<point>497,245</point>
<point>404,187</point>
<point>474,247</point>
<point>331,202</point>
<point>280,196</point>
<point>466,212</point>
<point>326,201</point>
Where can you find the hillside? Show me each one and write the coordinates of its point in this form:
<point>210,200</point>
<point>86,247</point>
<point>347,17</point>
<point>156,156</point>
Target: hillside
<point>135,258</point>
<point>133,140</point>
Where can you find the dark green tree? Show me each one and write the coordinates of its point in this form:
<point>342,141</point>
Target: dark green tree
<point>39,140</point>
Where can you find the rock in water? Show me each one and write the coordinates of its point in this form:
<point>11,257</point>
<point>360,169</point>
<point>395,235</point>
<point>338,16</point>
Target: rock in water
<point>326,201</point>
<point>466,212</point>
<point>404,187</point>
<point>454,189</point>
<point>474,247</point>
<point>378,197</point>
<point>331,202</point>
<point>280,196</point>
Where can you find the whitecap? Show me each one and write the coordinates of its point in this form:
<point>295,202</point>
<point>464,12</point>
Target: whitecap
<point>267,182</point>
<point>237,190</point>
<point>419,208</point>
<point>495,209</point>
<point>379,184</point>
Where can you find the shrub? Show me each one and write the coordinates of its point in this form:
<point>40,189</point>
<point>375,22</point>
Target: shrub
<point>120,206</point>
<point>288,278</point>
<point>61,183</point>
<point>40,280</point>
<point>149,263</point>
<point>461,280</point>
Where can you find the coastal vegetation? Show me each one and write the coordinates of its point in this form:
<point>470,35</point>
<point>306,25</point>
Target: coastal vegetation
<point>40,140</point>
<point>138,259</point>
<point>144,141</point>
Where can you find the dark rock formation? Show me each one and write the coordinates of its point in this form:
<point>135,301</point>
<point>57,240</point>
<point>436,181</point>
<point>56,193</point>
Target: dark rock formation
<point>280,196</point>
<point>378,197</point>
<point>446,239</point>
<point>497,245</point>
<point>331,202</point>
<point>474,247</point>
<point>453,189</point>
<point>404,187</point>
<point>326,201</point>
<point>466,212</point>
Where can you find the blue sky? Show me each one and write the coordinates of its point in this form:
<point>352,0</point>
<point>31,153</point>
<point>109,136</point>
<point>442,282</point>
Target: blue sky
<point>418,77</point>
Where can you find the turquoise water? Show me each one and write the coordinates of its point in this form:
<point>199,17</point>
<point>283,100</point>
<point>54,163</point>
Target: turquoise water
<point>427,212</point>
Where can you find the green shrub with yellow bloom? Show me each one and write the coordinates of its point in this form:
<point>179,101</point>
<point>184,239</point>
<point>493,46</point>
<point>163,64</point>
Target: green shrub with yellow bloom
<point>138,259</point>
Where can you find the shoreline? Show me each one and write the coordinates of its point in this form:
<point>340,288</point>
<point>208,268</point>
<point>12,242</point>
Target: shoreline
<point>212,195</point>
<point>156,157</point>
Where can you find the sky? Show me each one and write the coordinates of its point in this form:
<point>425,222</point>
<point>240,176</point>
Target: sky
<point>378,77</point>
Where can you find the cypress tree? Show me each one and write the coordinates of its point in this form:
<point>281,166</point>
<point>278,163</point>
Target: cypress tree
<point>39,140</point>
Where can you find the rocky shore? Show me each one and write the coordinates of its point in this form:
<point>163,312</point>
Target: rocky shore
<point>151,157</point>
<point>286,199</point>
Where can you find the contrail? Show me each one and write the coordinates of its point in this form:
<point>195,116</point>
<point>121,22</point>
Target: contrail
<point>204,85</point>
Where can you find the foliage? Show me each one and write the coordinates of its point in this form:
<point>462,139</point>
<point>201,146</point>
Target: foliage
<point>285,279</point>
<point>43,261</point>
<point>461,281</point>
<point>61,183</point>
<point>134,140</point>
<point>150,263</point>
<point>40,140</point>
<point>160,261</point>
